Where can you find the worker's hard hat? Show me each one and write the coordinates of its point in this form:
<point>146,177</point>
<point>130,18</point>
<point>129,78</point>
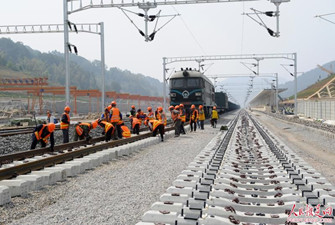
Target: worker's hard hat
<point>200,106</point>
<point>51,127</point>
<point>67,109</point>
<point>94,124</point>
<point>214,107</point>
<point>177,107</point>
<point>109,107</point>
<point>133,107</point>
<point>113,103</point>
<point>181,105</point>
<point>149,108</point>
<point>160,108</point>
<point>192,106</point>
<point>171,107</point>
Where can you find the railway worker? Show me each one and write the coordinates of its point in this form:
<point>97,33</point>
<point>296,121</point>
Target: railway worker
<point>133,111</point>
<point>116,116</point>
<point>140,115</point>
<point>82,130</point>
<point>176,120</point>
<point>119,130</point>
<point>135,125</point>
<point>65,124</point>
<point>182,118</point>
<point>108,128</point>
<point>201,117</point>
<point>156,126</point>
<point>50,117</point>
<point>150,114</point>
<point>215,117</point>
<point>41,134</point>
<point>193,118</point>
<point>161,116</point>
<point>106,116</point>
<point>124,130</point>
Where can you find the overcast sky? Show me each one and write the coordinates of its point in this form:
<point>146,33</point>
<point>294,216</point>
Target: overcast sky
<point>202,29</point>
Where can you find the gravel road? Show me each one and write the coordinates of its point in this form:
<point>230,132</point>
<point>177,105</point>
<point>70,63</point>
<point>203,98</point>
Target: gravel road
<point>316,149</point>
<point>116,193</point>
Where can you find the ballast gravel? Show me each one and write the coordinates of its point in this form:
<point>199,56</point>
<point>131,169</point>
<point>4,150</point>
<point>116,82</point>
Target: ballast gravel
<point>117,193</point>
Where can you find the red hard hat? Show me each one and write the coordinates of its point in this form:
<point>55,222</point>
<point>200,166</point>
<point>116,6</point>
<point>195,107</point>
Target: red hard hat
<point>200,106</point>
<point>109,107</point>
<point>149,108</point>
<point>94,124</point>
<point>160,108</point>
<point>133,107</point>
<point>214,107</point>
<point>171,107</point>
<point>192,106</point>
<point>51,127</point>
<point>67,108</point>
<point>181,105</point>
<point>177,107</point>
<point>113,103</point>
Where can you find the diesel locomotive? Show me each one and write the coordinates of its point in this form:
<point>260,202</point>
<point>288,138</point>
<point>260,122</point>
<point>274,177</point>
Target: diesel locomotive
<point>191,87</point>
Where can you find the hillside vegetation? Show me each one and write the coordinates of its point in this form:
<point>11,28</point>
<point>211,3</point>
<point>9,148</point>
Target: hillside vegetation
<point>18,60</point>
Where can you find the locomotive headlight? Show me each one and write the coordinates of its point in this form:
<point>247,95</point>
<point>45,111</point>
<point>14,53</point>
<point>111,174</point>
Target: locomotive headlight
<point>198,94</point>
<point>173,94</point>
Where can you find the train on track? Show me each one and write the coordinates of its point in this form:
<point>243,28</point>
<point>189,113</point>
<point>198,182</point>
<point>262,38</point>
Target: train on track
<point>191,87</point>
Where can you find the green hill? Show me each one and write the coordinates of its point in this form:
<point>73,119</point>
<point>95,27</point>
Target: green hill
<point>18,60</point>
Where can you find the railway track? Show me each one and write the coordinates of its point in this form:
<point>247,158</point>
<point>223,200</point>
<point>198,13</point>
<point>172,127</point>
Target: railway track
<point>245,176</point>
<point>20,163</point>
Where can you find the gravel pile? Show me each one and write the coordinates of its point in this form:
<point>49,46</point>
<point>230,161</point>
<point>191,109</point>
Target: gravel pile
<point>22,142</point>
<point>314,124</point>
<point>116,193</point>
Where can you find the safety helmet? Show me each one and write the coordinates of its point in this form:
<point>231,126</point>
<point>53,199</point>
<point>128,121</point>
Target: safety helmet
<point>177,107</point>
<point>94,124</point>
<point>200,106</point>
<point>51,127</point>
<point>133,107</point>
<point>192,106</point>
<point>214,107</point>
<point>113,103</point>
<point>160,108</point>
<point>181,105</point>
<point>171,107</point>
<point>67,109</point>
<point>149,109</point>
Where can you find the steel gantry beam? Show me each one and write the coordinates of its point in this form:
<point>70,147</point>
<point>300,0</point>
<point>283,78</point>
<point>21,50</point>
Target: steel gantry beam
<point>257,57</point>
<point>92,28</point>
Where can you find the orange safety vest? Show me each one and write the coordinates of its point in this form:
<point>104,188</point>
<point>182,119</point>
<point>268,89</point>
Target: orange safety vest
<point>194,115</point>
<point>174,115</point>
<point>108,126</point>
<point>115,115</point>
<point>125,131</point>
<point>162,117</point>
<point>182,115</point>
<point>63,125</point>
<point>135,121</point>
<point>155,124</point>
<point>38,134</point>
<point>80,130</point>
<point>151,116</point>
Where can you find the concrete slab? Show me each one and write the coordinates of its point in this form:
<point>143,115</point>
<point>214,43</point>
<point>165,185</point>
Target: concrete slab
<point>4,195</point>
<point>16,187</point>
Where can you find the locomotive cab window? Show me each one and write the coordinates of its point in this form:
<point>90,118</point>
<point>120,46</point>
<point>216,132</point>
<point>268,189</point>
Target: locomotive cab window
<point>193,82</point>
<point>176,83</point>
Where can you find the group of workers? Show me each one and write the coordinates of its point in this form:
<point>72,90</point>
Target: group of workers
<point>114,127</point>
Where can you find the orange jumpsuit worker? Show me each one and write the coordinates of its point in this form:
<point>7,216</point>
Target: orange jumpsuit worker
<point>155,126</point>
<point>41,134</point>
<point>65,124</point>
<point>136,124</point>
<point>176,119</point>
<point>182,118</point>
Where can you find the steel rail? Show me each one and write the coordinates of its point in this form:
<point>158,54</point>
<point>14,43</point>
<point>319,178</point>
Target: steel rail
<point>25,168</point>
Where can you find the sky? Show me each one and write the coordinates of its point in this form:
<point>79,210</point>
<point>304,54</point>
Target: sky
<point>200,30</point>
